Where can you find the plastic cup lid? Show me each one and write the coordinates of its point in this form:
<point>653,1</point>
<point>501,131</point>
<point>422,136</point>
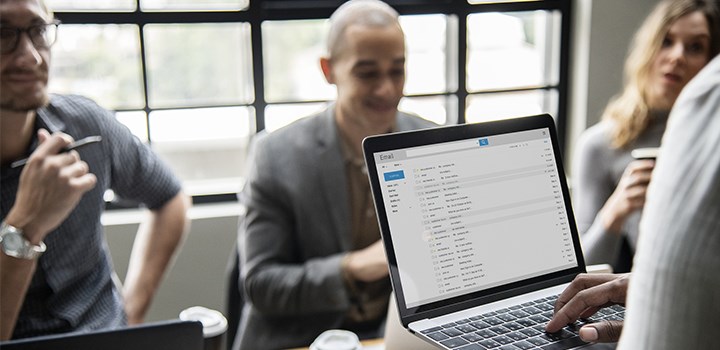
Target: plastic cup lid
<point>214,323</point>
<point>336,339</point>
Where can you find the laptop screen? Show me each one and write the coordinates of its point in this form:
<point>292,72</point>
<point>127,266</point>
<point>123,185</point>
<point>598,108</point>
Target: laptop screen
<point>474,213</point>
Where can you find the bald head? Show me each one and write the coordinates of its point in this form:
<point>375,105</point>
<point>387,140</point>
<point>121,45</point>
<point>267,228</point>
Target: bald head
<point>366,13</point>
<point>48,14</point>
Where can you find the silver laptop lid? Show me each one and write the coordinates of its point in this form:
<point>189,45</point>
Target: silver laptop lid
<point>472,214</point>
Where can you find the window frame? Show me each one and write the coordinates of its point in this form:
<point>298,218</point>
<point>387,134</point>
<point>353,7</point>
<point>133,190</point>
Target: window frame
<point>270,10</point>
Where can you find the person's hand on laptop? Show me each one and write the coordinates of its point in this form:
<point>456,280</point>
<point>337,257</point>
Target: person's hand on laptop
<point>368,264</point>
<point>586,295</point>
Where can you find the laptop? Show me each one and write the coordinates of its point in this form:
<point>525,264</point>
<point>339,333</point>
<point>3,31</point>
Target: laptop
<point>173,334</point>
<point>478,231</point>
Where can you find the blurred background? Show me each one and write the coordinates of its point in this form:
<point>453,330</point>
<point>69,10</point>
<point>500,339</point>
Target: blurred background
<point>197,79</point>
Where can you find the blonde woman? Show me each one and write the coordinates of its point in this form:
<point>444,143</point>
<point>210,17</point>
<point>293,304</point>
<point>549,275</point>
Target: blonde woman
<point>677,39</point>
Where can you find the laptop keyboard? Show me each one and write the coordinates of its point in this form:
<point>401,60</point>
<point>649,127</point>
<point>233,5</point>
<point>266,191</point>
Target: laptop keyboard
<point>517,327</point>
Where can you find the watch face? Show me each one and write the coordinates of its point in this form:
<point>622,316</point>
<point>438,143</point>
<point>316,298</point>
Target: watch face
<point>15,245</point>
<point>12,242</point>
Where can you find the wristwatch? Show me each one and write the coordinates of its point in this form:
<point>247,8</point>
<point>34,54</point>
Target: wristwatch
<point>14,243</point>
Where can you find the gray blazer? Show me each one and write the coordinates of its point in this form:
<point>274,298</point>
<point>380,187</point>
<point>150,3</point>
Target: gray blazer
<point>294,233</point>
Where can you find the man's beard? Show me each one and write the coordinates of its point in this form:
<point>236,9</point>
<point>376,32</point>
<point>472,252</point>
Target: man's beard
<point>24,98</point>
<point>20,104</point>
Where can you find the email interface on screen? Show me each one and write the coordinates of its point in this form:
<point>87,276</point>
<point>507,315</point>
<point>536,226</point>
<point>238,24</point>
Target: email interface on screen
<point>474,214</point>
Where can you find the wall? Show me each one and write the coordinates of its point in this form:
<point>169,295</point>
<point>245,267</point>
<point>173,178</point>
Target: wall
<point>603,30</point>
<point>198,275</point>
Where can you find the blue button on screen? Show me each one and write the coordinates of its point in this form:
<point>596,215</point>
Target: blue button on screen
<point>394,175</point>
<point>484,142</point>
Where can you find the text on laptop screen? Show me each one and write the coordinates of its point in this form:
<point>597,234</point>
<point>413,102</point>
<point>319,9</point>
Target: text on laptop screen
<point>475,214</point>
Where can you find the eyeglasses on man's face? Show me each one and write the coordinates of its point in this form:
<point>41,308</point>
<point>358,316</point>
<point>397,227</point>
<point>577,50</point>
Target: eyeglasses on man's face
<point>42,36</point>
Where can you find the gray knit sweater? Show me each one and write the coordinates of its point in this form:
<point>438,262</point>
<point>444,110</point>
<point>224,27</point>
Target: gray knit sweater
<point>597,169</point>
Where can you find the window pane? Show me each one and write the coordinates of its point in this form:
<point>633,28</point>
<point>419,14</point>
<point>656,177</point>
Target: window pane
<point>434,108</point>
<point>513,50</point>
<point>136,121</point>
<point>193,5</point>
<point>425,37</point>
<point>91,5</point>
<point>101,62</point>
<point>198,64</point>
<point>507,105</point>
<point>205,147</point>
<point>291,57</point>
<point>200,124</point>
<point>277,116</point>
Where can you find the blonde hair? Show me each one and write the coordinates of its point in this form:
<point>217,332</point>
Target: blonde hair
<point>370,13</point>
<point>630,111</point>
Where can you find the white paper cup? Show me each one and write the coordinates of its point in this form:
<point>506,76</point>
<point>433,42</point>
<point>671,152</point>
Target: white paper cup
<point>214,325</point>
<point>645,153</point>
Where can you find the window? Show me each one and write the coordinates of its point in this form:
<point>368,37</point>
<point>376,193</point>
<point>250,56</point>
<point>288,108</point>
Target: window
<point>100,61</point>
<point>197,79</point>
<point>509,52</point>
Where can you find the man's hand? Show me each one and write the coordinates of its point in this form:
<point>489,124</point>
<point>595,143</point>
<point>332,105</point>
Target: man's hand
<point>368,264</point>
<point>585,296</point>
<point>51,185</point>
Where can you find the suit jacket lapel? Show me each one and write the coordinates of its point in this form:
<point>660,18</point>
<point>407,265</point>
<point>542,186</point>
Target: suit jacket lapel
<point>330,168</point>
<point>403,123</point>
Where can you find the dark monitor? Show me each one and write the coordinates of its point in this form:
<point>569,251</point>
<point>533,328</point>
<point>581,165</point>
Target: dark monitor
<point>173,334</point>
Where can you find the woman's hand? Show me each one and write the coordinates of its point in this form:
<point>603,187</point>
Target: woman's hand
<point>629,195</point>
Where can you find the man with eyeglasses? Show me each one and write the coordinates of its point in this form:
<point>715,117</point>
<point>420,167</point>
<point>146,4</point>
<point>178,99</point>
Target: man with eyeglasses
<point>56,275</point>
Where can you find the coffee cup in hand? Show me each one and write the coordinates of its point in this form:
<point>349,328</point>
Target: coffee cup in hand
<point>645,153</point>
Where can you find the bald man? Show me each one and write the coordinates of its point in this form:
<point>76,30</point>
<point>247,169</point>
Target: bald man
<point>311,255</point>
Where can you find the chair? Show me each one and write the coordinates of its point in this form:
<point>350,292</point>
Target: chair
<point>234,298</point>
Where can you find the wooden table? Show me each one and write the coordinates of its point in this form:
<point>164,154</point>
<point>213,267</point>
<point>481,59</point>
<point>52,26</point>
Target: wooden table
<point>365,343</point>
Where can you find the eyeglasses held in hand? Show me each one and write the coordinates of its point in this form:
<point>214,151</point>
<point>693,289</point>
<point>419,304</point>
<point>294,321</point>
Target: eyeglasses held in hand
<point>42,36</point>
